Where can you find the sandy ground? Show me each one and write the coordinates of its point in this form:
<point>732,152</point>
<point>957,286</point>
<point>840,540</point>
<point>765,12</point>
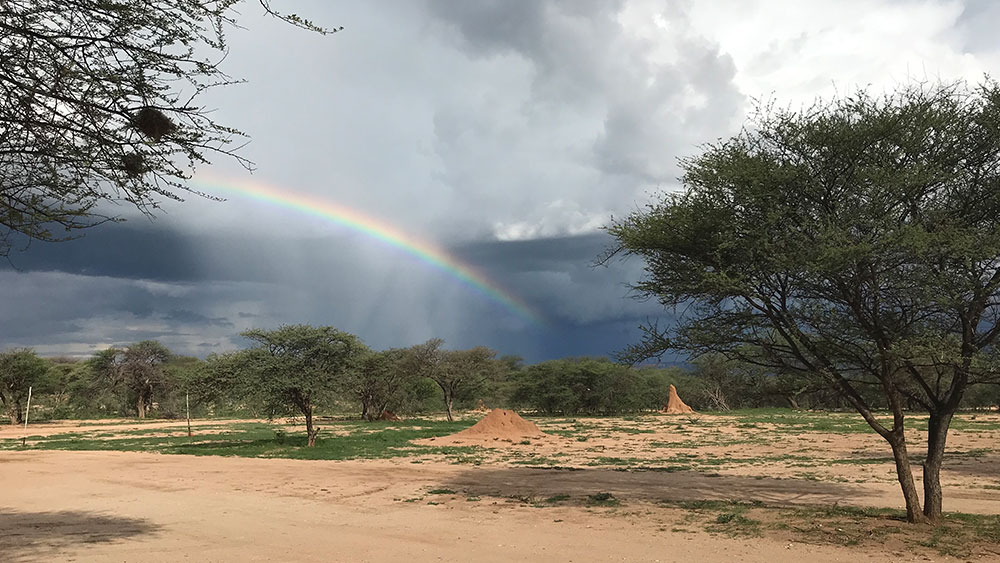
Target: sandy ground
<point>97,506</point>
<point>123,506</point>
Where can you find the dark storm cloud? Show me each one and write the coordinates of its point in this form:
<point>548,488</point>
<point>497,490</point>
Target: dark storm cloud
<point>509,132</point>
<point>128,250</point>
<point>560,276</point>
<point>312,281</point>
<point>184,316</point>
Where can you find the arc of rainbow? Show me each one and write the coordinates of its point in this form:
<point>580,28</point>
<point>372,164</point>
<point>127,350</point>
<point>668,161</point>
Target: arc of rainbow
<point>373,228</point>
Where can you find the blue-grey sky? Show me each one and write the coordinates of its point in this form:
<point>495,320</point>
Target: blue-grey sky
<point>506,132</point>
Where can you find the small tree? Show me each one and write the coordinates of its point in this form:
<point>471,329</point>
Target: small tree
<point>294,367</point>
<point>457,373</point>
<point>20,369</point>
<point>378,381</point>
<point>856,242</point>
<point>136,371</point>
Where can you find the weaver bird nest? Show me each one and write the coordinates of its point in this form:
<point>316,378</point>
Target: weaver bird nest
<point>133,164</point>
<point>153,123</point>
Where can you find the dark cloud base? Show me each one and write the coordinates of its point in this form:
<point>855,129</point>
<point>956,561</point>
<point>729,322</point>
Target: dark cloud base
<point>122,283</point>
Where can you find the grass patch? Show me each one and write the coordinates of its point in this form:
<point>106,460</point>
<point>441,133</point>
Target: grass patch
<point>602,499</point>
<point>958,535</point>
<point>359,441</point>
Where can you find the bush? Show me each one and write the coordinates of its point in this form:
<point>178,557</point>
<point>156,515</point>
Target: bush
<point>589,386</point>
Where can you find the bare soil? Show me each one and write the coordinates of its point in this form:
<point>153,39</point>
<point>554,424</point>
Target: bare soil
<point>567,497</point>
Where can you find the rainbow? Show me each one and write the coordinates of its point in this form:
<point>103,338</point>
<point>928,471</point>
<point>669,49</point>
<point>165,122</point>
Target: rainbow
<point>357,221</point>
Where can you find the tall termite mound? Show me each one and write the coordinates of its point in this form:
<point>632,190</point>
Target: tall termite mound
<point>675,405</point>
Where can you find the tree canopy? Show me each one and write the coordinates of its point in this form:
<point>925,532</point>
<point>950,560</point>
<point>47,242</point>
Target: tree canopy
<point>135,371</point>
<point>856,241</point>
<point>457,373</point>
<point>20,369</point>
<point>100,102</point>
<point>292,368</point>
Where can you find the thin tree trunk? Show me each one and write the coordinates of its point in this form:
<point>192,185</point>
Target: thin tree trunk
<point>448,400</point>
<point>141,406</point>
<point>310,431</point>
<point>937,434</point>
<point>905,476</point>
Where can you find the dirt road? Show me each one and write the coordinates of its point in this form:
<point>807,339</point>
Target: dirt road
<point>116,506</point>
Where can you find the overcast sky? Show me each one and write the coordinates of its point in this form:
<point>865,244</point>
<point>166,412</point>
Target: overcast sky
<point>505,132</point>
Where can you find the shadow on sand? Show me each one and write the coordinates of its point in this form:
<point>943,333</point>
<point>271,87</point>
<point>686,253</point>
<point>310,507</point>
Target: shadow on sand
<point>651,486</point>
<point>39,536</point>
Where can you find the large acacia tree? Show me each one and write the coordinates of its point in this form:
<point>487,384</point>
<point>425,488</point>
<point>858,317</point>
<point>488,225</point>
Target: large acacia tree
<point>856,242</point>
<point>292,368</point>
<point>99,101</point>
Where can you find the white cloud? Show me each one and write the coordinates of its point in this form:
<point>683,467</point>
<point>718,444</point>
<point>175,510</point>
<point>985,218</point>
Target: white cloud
<point>797,51</point>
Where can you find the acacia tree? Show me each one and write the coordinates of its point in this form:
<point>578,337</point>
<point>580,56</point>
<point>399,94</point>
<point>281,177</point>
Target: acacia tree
<point>456,372</point>
<point>137,371</point>
<point>857,241</point>
<point>378,381</point>
<point>294,367</point>
<point>20,369</point>
<point>99,102</point>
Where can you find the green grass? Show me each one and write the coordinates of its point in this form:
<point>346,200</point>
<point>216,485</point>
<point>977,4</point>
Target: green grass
<point>602,499</point>
<point>364,441</point>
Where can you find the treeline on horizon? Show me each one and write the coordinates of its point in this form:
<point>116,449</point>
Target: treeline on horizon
<point>302,370</point>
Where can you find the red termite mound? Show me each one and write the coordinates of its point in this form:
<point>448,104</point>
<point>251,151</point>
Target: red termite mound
<point>499,424</point>
<point>675,405</point>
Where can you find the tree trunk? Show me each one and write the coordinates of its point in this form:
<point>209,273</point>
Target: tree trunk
<point>364,410</point>
<point>937,434</point>
<point>13,409</point>
<point>792,402</point>
<point>448,400</point>
<point>310,431</point>
<point>905,476</point>
<point>141,407</point>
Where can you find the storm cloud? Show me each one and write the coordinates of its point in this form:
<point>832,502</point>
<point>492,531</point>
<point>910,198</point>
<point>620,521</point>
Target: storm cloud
<point>506,134</point>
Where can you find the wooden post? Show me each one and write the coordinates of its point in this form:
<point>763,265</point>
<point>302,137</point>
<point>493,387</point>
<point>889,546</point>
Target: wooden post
<point>187,406</point>
<point>27,409</point>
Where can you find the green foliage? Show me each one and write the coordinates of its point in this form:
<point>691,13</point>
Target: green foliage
<point>590,386</point>
<point>856,243</point>
<point>379,381</point>
<point>460,374</point>
<point>815,241</point>
<point>136,373</point>
<point>20,369</point>
<point>290,369</point>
